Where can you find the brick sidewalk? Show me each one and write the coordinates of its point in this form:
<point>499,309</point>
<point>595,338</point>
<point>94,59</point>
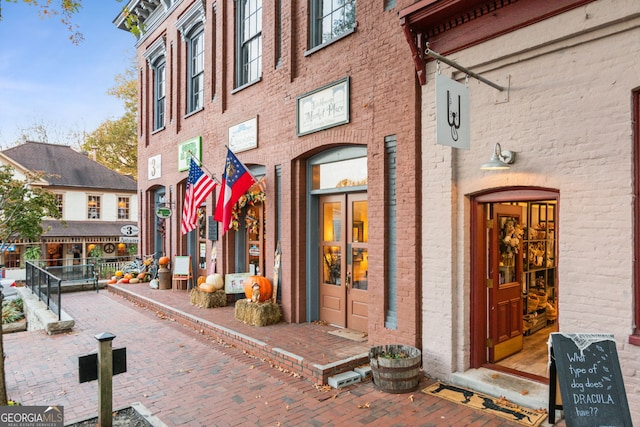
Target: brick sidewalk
<point>186,378</point>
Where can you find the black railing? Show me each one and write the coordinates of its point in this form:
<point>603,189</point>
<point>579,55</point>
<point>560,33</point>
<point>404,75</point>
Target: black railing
<point>85,273</point>
<point>46,286</point>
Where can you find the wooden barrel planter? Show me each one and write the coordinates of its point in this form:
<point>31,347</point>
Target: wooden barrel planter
<point>396,368</point>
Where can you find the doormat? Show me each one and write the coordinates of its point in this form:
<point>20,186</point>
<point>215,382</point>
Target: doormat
<point>350,334</point>
<point>499,407</point>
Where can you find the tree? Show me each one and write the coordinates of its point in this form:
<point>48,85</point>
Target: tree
<point>23,205</point>
<point>65,10</point>
<point>115,142</point>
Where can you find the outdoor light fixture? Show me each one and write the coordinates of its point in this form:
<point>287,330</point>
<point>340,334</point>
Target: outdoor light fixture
<point>499,160</point>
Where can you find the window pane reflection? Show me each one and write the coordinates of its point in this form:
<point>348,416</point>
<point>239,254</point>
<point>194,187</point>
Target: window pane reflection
<point>345,173</point>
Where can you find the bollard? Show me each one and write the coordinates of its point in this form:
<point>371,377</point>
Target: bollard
<point>105,379</point>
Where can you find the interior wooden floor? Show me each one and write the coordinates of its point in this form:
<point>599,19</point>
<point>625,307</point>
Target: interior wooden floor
<point>534,356</point>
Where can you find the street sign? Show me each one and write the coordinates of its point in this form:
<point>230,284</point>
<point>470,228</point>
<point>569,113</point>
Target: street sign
<point>129,230</point>
<point>163,213</point>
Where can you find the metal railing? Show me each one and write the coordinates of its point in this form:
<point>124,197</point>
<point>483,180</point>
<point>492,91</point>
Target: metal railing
<point>46,286</point>
<point>76,274</point>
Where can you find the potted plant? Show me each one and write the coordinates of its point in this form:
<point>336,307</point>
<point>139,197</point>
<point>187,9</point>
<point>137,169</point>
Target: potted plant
<point>33,254</point>
<point>396,368</point>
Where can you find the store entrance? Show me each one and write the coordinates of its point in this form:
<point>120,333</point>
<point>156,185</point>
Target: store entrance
<point>344,255</point>
<point>514,294</point>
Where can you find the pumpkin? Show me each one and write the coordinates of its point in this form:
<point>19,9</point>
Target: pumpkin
<point>205,287</point>
<point>123,280</point>
<point>112,281</point>
<point>141,276</point>
<point>163,260</point>
<point>264,286</point>
<point>201,280</point>
<point>134,280</point>
<point>128,276</point>
<point>119,273</point>
<point>215,280</point>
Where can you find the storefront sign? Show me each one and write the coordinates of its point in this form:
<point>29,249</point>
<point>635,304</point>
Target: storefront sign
<point>124,239</point>
<point>323,108</point>
<point>452,113</point>
<point>129,230</point>
<point>188,148</point>
<point>244,136</point>
<point>163,213</point>
<point>154,167</point>
<point>234,283</point>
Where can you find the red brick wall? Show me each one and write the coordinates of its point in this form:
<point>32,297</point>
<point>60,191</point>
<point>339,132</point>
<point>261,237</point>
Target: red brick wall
<point>383,101</point>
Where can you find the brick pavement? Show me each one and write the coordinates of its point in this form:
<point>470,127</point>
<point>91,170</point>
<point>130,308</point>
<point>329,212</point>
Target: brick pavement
<point>187,378</point>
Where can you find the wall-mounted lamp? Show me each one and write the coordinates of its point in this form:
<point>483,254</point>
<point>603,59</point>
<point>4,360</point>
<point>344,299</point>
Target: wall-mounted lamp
<point>500,159</point>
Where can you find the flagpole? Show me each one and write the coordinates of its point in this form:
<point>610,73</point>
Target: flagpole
<point>213,175</point>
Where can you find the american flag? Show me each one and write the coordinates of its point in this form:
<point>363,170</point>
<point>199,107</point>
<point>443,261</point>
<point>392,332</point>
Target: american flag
<point>199,186</point>
<point>236,180</point>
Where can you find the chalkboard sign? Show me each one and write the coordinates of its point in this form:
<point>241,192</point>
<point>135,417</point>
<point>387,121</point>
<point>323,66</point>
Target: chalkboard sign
<point>588,372</point>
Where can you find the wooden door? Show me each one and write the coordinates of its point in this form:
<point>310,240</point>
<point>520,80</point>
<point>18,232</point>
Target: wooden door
<point>344,298</point>
<point>505,287</point>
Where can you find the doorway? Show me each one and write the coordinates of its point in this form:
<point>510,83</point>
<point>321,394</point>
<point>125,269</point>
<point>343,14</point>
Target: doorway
<point>344,297</point>
<point>514,280</point>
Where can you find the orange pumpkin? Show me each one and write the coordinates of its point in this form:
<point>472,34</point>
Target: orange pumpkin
<point>142,275</point>
<point>128,276</point>
<point>112,282</point>
<point>163,260</point>
<point>124,280</point>
<point>205,287</point>
<point>201,280</point>
<point>264,285</point>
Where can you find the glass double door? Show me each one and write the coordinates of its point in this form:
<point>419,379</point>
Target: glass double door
<point>344,258</point>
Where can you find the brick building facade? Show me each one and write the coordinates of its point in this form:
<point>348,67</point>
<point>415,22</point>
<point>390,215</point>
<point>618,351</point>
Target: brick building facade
<point>570,111</point>
<point>270,81</point>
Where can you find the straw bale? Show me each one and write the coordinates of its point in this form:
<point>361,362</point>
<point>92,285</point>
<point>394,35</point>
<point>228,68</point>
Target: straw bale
<point>257,313</point>
<point>208,299</point>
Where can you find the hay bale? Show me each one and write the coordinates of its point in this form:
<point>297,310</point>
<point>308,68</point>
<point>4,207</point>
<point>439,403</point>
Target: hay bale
<point>257,313</point>
<point>208,299</point>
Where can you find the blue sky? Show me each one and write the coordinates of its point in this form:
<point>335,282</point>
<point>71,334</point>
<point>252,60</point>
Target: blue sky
<point>46,79</point>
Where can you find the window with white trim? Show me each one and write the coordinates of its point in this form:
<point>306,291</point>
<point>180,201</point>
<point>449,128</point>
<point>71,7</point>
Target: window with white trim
<point>248,41</point>
<point>195,71</point>
<point>93,207</point>
<point>330,20</point>
<point>159,93</point>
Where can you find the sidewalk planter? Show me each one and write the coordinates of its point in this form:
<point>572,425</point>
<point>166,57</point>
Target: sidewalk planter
<point>395,368</point>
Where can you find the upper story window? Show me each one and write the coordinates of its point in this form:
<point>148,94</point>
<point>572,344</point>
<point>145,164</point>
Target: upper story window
<point>59,203</point>
<point>248,41</point>
<point>156,58</point>
<point>191,27</point>
<point>331,19</point>
<point>123,207</point>
<point>195,71</point>
<point>93,207</point>
<point>159,93</point>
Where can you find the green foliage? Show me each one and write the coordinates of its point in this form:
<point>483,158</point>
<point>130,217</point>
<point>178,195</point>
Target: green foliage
<point>65,9</point>
<point>33,253</point>
<point>11,311</point>
<point>23,205</point>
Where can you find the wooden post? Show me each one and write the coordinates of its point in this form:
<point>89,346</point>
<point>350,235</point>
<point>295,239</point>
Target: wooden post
<point>105,379</point>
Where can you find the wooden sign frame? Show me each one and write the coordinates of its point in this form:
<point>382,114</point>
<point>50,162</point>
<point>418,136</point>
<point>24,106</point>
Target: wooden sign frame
<point>589,379</point>
<point>182,270</point>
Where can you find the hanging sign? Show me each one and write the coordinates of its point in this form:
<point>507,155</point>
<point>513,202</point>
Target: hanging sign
<point>163,213</point>
<point>452,113</point>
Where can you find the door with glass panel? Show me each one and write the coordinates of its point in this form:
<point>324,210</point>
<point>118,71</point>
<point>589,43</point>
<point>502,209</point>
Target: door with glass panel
<point>344,260</point>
